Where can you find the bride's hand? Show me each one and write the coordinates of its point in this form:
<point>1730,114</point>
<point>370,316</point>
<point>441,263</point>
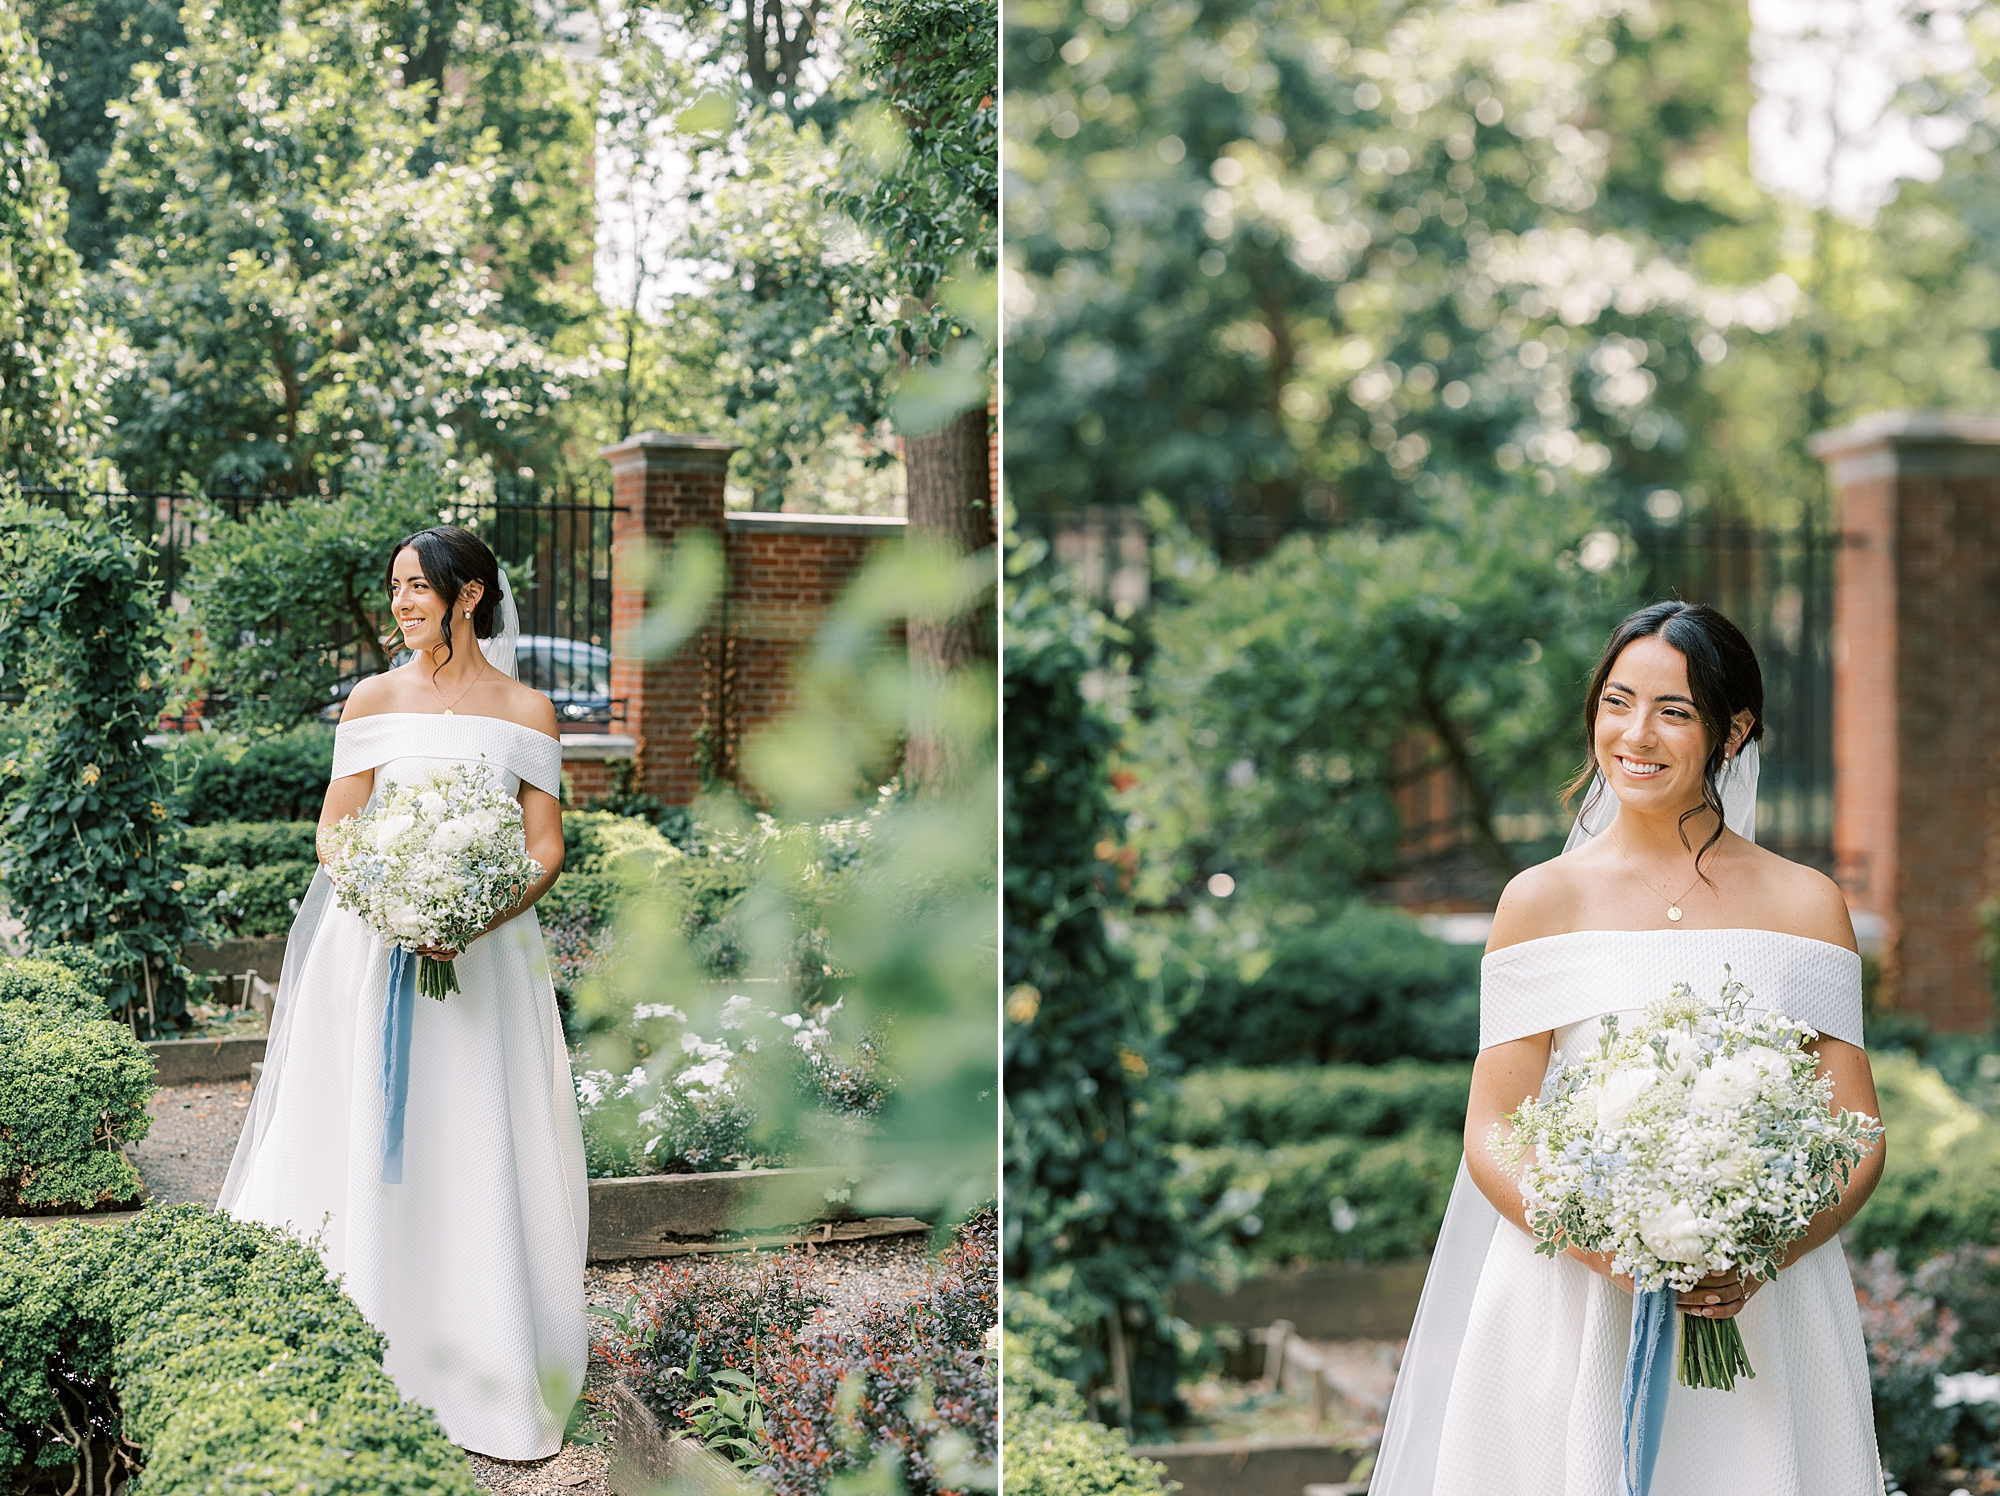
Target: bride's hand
<point>438,952</point>
<point>1720,1295</point>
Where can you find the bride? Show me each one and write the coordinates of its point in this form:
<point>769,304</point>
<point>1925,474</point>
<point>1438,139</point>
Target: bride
<point>1512,1377</point>
<point>472,1265</point>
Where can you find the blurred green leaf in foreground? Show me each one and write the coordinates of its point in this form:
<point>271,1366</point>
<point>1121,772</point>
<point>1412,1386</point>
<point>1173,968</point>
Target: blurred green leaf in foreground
<point>910,919</point>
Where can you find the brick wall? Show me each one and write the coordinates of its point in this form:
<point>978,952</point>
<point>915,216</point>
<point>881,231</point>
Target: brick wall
<point>1917,698</point>
<point>785,571</point>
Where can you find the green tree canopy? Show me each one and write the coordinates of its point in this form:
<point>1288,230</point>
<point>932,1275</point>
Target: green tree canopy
<point>52,360</point>
<point>300,273</point>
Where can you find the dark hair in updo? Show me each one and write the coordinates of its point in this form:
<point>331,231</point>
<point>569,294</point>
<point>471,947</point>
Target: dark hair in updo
<point>1723,678</point>
<point>451,558</point>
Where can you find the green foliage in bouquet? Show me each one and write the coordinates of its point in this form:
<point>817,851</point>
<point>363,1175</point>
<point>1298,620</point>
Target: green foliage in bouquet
<point>1092,1224</point>
<point>229,777</point>
<point>217,1353</point>
<point>87,845</point>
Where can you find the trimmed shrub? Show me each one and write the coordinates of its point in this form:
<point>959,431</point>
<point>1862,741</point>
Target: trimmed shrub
<point>1365,987</point>
<point>247,877</point>
<point>60,982</point>
<point>1052,1446</point>
<point>220,777</point>
<point>1942,1183</point>
<point>250,843</point>
<point>73,1086</point>
<point>1333,1199</point>
<point>222,1350</point>
<point>1270,1108</point>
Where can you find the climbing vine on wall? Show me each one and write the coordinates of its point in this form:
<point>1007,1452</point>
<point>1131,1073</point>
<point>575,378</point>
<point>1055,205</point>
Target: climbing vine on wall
<point>86,839</point>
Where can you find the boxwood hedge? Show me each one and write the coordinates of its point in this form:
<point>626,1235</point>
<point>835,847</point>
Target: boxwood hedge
<point>218,1353</point>
<point>73,1087</point>
<point>1271,1108</point>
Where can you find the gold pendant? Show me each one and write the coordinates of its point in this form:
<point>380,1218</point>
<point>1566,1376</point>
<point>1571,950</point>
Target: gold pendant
<point>1673,912</point>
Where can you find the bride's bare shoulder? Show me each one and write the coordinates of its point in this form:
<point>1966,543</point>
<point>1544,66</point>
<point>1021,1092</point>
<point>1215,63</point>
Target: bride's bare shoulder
<point>526,707</point>
<point>1541,900</point>
<point>1799,900</point>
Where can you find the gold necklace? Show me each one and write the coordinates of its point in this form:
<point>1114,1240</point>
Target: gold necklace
<point>475,681</point>
<point>1673,905</point>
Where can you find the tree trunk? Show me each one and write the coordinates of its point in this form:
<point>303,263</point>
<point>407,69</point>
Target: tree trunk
<point>951,512</point>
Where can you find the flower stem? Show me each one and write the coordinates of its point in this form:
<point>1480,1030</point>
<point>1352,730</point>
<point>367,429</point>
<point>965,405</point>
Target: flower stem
<point>436,978</point>
<point>1712,1353</point>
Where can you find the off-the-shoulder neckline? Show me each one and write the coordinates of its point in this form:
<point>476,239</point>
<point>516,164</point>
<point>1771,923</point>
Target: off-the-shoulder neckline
<point>454,716</point>
<point>1725,930</point>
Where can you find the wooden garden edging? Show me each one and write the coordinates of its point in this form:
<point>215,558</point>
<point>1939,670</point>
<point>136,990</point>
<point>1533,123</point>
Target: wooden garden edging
<point>679,1215</point>
<point>645,1461</point>
<point>1254,1467</point>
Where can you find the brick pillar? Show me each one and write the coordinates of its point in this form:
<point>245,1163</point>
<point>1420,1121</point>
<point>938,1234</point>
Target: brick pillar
<point>1916,698</point>
<point>664,486</point>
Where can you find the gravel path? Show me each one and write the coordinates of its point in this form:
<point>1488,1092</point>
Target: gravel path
<point>186,1154</point>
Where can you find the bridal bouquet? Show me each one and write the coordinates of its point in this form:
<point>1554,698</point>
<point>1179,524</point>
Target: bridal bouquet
<point>1698,1141</point>
<point>432,863</point>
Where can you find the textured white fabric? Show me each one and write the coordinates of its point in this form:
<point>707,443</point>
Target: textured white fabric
<point>1544,984</point>
<point>370,742</point>
<point>473,1266</point>
<point>1510,1382</point>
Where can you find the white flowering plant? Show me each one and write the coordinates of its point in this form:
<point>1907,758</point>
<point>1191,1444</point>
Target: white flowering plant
<point>1698,1141</point>
<point>693,1103</point>
<point>432,862</point>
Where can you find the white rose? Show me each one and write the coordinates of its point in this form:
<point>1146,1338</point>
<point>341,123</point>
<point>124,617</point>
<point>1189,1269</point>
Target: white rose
<point>1674,1234</point>
<point>1735,1167</point>
<point>486,822</point>
<point>1621,1092</point>
<point>431,803</point>
<point>1726,1084</point>
<point>390,830</point>
<point>454,835</point>
<point>1772,1064</point>
<point>406,921</point>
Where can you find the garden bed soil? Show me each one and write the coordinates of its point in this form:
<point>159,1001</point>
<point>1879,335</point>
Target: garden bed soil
<point>677,1215</point>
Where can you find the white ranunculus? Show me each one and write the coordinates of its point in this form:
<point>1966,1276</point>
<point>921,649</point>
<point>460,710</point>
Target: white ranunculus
<point>1726,1084</point>
<point>454,835</point>
<point>487,822</point>
<point>1771,1064</point>
<point>1674,1233</point>
<point>1683,1052</point>
<point>406,921</point>
<point>390,830</point>
<point>1621,1092</point>
<point>431,803</point>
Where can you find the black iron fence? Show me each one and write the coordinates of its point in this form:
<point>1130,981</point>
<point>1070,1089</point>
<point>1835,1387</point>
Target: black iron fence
<point>1777,586</point>
<point>555,544</point>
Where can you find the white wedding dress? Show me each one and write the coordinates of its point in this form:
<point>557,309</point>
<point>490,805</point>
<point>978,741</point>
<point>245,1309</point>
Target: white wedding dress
<point>472,1267</point>
<point>1510,1383</point>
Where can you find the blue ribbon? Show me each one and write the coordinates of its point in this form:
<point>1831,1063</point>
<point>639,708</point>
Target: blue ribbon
<point>1648,1373</point>
<point>397,1014</point>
